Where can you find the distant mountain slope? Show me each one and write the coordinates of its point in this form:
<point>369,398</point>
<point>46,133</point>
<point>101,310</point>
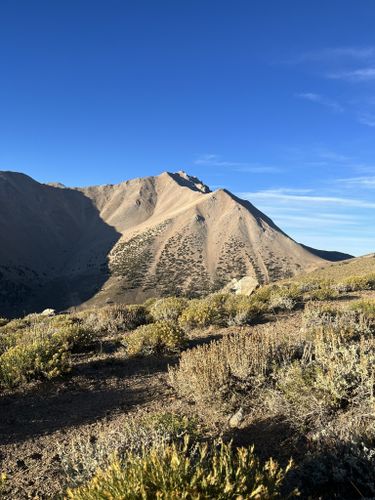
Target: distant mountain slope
<point>332,256</point>
<point>167,234</point>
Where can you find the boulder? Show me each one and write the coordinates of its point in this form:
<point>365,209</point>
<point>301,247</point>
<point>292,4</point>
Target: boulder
<point>243,286</point>
<point>48,312</point>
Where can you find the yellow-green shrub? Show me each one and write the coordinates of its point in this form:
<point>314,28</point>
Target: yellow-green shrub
<point>174,472</point>
<point>84,456</point>
<point>365,307</point>
<point>263,294</point>
<point>39,350</point>
<point>40,357</point>
<point>285,297</point>
<point>355,283</point>
<point>205,312</point>
<point>323,293</point>
<point>168,309</point>
<point>242,310</point>
<point>159,337</point>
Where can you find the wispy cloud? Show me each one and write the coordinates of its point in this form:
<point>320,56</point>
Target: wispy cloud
<point>320,99</point>
<point>367,119</point>
<point>365,182</point>
<point>354,75</point>
<point>334,156</point>
<point>286,195</point>
<point>213,160</point>
<point>302,221</point>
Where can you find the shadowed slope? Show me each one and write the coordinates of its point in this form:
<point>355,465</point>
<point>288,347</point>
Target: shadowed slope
<point>54,246</point>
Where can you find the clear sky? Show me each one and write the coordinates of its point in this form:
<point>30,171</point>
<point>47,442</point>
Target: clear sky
<point>274,100</point>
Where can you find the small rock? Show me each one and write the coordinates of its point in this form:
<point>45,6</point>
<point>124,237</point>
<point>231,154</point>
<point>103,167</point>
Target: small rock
<point>48,312</point>
<point>236,419</point>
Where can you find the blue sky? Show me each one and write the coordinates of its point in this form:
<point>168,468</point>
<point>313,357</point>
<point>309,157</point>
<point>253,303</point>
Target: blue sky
<point>274,100</point>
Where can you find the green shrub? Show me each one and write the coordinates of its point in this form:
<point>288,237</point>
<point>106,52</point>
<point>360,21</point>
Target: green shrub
<point>156,338</point>
<point>205,312</point>
<point>84,455</point>
<point>365,307</point>
<point>242,310</point>
<point>174,472</point>
<point>355,283</point>
<point>40,357</point>
<point>168,309</point>
<point>263,294</point>
<point>285,298</point>
<point>39,350</point>
<point>323,293</point>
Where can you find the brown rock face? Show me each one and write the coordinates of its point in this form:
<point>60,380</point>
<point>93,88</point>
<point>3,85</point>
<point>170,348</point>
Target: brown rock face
<point>161,235</point>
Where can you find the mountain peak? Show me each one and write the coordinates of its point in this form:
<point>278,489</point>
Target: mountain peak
<point>186,180</point>
<point>151,236</point>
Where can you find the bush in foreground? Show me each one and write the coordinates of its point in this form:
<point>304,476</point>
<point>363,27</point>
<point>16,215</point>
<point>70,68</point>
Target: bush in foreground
<point>181,471</point>
<point>39,349</point>
<point>228,373</point>
<point>133,435</point>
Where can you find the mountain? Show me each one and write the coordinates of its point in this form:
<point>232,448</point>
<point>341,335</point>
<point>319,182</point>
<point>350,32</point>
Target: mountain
<point>330,255</point>
<point>167,234</point>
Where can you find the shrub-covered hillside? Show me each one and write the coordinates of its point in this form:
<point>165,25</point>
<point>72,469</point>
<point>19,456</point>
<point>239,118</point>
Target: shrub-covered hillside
<point>228,396</point>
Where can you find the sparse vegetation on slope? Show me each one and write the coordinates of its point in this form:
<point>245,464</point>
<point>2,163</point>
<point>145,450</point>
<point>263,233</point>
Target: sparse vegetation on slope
<point>300,385</point>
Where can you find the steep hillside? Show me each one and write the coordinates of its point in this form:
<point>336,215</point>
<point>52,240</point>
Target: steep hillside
<point>167,234</point>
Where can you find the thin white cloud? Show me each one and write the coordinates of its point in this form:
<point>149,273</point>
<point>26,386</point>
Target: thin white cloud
<point>327,154</point>
<point>355,75</point>
<point>305,220</point>
<point>213,160</point>
<point>364,181</point>
<point>320,99</point>
<point>287,196</point>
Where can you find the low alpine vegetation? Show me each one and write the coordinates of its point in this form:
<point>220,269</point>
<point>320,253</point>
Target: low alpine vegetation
<point>175,471</point>
<point>168,309</point>
<point>157,338</point>
<point>115,318</point>
<point>39,347</point>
